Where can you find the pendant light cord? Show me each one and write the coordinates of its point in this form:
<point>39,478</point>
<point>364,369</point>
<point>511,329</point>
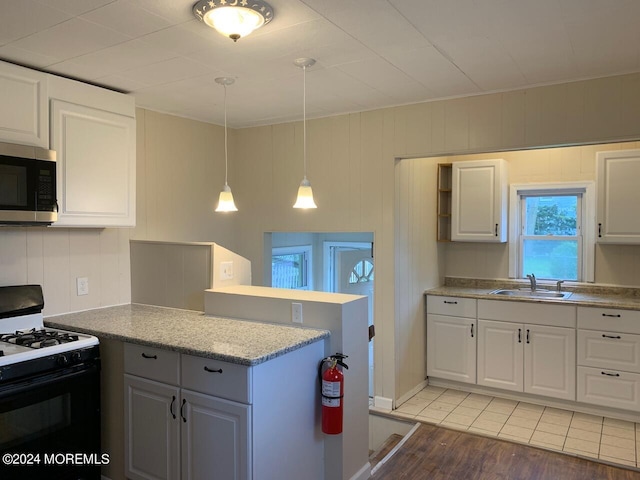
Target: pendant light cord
<point>225,136</point>
<point>304,119</point>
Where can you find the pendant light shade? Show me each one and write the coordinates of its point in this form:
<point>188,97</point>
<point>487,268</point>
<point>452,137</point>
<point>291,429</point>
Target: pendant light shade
<point>305,194</point>
<point>225,201</point>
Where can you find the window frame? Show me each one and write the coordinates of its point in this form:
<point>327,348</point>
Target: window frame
<point>307,251</point>
<point>586,223</point>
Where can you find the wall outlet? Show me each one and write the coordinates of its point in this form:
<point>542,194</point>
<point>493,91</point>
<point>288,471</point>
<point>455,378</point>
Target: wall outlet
<point>296,312</point>
<point>226,270</point>
<point>82,285</point>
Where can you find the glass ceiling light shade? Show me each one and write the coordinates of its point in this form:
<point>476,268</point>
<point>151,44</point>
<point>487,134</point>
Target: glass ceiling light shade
<point>305,194</point>
<point>234,18</point>
<point>225,201</point>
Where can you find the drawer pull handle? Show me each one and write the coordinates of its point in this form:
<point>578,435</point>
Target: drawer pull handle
<point>184,419</point>
<point>519,335</point>
<point>472,330</point>
<point>171,407</point>
<point>528,335</point>
<point>610,374</point>
<point>617,337</point>
<point>450,303</point>
<point>496,229</point>
<point>610,315</point>
<point>211,370</point>
<point>144,355</point>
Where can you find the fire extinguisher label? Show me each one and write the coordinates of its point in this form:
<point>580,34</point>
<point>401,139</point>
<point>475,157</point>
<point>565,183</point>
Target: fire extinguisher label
<point>330,389</point>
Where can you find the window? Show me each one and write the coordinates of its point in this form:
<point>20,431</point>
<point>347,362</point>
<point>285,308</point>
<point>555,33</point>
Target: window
<point>552,232</point>
<point>291,267</point>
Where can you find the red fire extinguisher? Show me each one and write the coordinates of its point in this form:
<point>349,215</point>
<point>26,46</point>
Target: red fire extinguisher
<point>332,391</point>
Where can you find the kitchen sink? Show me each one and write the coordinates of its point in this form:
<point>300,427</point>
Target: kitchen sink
<point>531,294</point>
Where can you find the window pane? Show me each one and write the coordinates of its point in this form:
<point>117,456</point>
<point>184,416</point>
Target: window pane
<point>551,259</point>
<point>551,215</point>
<point>289,271</point>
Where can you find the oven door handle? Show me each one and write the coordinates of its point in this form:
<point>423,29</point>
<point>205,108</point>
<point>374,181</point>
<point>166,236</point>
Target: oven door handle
<point>17,387</point>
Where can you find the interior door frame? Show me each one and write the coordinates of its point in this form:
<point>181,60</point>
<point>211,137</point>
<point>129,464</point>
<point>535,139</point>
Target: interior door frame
<point>328,260</point>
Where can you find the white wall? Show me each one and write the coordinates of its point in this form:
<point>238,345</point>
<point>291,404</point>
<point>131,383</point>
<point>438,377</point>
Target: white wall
<point>614,264</point>
<point>55,257</point>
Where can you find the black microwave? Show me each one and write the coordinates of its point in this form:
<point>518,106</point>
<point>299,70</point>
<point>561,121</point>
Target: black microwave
<point>27,185</point>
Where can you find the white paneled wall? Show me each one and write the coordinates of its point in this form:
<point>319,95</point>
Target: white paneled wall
<point>54,258</point>
<point>351,162</point>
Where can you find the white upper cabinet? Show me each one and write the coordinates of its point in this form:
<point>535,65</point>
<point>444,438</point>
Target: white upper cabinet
<point>618,196</point>
<point>93,133</point>
<point>24,114</point>
<point>479,201</point>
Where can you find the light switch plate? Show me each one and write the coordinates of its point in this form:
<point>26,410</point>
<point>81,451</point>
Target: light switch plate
<point>82,286</point>
<point>226,270</point>
<point>296,312</point>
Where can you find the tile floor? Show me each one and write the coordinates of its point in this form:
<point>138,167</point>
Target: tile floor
<point>603,438</point>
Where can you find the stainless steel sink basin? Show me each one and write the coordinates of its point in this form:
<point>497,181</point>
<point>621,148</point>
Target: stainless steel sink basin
<point>529,294</point>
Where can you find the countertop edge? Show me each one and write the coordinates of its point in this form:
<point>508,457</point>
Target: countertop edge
<point>104,333</point>
<point>576,299</point>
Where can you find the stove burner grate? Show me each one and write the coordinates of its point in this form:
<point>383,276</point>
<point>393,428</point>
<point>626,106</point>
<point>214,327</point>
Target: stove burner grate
<point>38,338</point>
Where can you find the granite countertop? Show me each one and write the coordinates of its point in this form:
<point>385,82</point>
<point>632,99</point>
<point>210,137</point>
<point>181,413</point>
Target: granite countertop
<point>236,341</point>
<point>584,295</point>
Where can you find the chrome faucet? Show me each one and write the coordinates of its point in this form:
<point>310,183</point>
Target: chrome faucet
<point>532,279</point>
<point>559,285</point>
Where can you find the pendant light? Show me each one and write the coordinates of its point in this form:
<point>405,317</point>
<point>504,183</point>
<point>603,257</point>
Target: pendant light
<point>305,194</point>
<point>225,202</point>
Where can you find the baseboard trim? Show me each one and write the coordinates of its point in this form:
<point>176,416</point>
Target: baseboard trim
<point>411,393</point>
<point>383,402</point>
<point>364,473</point>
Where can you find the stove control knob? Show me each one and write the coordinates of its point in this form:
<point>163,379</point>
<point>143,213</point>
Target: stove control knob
<point>62,360</point>
<point>76,357</point>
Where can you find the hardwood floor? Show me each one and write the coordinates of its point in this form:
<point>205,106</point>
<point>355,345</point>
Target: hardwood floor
<point>438,453</point>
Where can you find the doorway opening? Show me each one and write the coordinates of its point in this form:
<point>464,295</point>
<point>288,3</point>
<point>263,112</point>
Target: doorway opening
<point>329,262</point>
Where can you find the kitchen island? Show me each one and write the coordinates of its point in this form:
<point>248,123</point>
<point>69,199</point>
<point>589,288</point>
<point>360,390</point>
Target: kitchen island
<point>205,394</point>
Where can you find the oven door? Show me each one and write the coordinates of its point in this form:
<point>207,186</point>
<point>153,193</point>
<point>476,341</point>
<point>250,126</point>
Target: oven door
<point>48,415</point>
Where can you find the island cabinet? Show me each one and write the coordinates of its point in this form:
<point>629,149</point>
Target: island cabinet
<point>609,357</point>
<point>618,196</point>
<point>189,417</point>
<point>527,347</point>
<point>24,116</point>
<point>451,338</point>
<point>479,201</point>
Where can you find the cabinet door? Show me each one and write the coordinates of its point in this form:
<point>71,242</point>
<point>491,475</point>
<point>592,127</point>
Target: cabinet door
<point>479,209</point>
<point>96,166</point>
<point>550,361</point>
<point>215,438</point>
<point>618,196</point>
<point>152,436</point>
<point>24,115</point>
<point>451,348</point>
<point>500,355</point>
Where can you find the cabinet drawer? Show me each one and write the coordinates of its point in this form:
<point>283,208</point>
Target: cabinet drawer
<point>609,388</point>
<point>531,313</point>
<point>213,377</point>
<point>610,319</point>
<point>153,363</point>
<point>454,306</point>
<point>619,351</point>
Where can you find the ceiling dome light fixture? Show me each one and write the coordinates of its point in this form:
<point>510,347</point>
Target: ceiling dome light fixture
<point>234,18</point>
<point>305,194</point>
<point>225,202</point>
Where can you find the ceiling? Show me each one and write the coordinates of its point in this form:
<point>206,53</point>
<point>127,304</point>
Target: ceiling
<point>370,53</point>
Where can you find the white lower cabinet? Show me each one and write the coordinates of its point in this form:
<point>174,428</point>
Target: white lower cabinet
<point>609,357</point>
<point>192,418</point>
<point>451,340</point>
<point>527,358</point>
